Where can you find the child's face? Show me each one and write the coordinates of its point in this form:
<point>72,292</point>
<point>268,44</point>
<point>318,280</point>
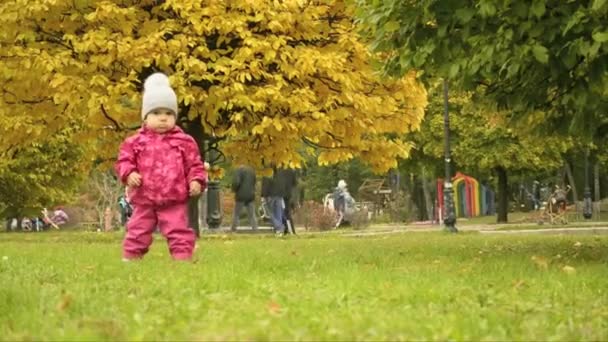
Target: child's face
<point>160,120</point>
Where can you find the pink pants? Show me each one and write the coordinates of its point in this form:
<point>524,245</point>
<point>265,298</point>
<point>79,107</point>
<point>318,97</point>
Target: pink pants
<point>173,223</point>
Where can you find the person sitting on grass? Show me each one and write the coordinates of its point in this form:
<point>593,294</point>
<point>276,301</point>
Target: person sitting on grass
<point>26,224</point>
<point>57,219</point>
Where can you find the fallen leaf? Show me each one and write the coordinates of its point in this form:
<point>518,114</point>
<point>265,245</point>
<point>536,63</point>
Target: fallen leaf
<point>577,244</point>
<point>519,283</point>
<point>569,269</point>
<point>540,262</point>
<point>64,303</point>
<point>274,308</point>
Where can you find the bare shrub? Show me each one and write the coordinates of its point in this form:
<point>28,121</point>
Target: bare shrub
<point>103,190</point>
<point>400,208</point>
<point>314,216</point>
<point>360,219</point>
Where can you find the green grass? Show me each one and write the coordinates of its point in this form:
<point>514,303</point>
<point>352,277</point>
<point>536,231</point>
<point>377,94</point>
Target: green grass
<point>411,286</point>
<point>573,225</point>
<point>531,219</point>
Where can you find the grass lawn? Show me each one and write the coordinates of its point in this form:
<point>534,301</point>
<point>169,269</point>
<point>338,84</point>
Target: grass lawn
<point>411,286</point>
<point>529,220</point>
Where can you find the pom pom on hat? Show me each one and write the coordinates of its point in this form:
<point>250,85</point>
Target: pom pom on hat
<point>158,94</point>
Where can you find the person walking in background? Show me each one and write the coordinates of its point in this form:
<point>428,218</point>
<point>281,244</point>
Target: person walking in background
<point>287,182</point>
<point>243,186</point>
<point>265,212</point>
<point>273,194</point>
<point>340,194</point>
<point>126,210</point>
<point>162,166</point>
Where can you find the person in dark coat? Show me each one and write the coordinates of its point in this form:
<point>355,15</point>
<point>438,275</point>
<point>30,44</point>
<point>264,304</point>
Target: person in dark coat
<point>272,191</point>
<point>243,186</point>
<point>287,182</point>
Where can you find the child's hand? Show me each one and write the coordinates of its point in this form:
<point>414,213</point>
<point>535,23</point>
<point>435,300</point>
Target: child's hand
<point>195,188</point>
<point>134,179</point>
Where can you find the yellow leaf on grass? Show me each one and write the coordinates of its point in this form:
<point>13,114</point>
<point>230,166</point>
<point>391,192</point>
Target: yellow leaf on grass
<point>568,269</point>
<point>540,262</point>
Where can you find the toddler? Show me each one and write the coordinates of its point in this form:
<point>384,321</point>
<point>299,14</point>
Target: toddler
<point>161,165</point>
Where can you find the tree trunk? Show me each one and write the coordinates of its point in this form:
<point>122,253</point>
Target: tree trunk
<point>596,186</point>
<point>427,195</point>
<point>202,210</point>
<point>502,196</point>
<point>417,198</point>
<point>107,220</point>
<point>195,129</point>
<point>568,171</point>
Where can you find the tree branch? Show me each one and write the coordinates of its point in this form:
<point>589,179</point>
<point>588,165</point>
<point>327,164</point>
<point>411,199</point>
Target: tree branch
<point>313,144</point>
<point>114,122</point>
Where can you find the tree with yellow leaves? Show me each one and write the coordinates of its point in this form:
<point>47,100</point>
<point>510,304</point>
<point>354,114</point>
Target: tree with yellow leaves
<point>268,79</point>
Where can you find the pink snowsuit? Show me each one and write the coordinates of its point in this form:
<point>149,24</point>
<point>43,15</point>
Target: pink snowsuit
<point>167,164</point>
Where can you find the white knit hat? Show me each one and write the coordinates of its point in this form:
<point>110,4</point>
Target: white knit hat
<point>158,94</point>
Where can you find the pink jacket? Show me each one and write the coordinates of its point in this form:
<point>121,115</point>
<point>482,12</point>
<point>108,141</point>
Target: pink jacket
<point>166,162</point>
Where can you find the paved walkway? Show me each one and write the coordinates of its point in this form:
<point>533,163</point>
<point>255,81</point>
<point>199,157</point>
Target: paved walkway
<point>593,228</point>
<point>573,230</point>
<point>583,228</point>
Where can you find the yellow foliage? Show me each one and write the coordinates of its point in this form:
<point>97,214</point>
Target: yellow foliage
<point>268,76</point>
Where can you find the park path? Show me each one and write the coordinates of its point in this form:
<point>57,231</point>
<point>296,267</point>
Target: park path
<point>599,228</point>
<point>379,229</point>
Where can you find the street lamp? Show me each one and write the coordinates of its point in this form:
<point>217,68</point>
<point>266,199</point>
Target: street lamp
<point>587,210</point>
<point>449,217</point>
<point>214,212</point>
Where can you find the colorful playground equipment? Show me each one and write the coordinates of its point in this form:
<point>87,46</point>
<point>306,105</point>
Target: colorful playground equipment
<point>470,198</point>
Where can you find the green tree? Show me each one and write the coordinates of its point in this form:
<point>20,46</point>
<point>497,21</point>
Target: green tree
<point>483,143</point>
<point>321,180</point>
<point>543,58</point>
<point>42,175</point>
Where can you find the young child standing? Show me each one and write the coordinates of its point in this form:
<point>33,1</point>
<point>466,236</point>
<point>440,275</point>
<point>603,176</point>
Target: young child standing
<point>161,165</point>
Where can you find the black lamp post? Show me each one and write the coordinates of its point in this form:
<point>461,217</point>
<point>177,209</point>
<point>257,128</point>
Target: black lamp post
<point>449,216</point>
<point>587,209</point>
<point>214,211</point>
